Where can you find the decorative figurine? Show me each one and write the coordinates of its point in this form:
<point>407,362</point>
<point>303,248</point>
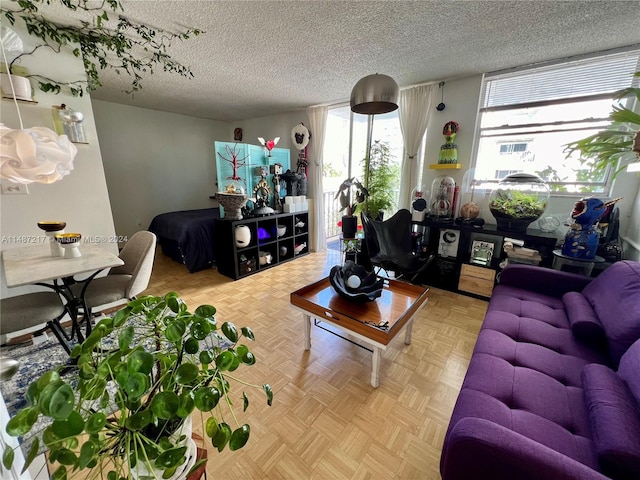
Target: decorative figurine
<point>449,151</point>
<point>583,236</point>
<point>269,144</point>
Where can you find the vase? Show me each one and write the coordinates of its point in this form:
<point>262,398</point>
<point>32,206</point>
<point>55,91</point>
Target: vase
<point>232,204</point>
<point>242,236</point>
<point>349,226</point>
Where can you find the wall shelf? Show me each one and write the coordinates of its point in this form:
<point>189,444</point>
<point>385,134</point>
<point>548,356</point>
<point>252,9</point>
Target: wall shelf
<point>446,166</point>
<point>21,100</point>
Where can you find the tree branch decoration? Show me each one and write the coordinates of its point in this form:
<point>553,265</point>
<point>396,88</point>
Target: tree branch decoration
<point>127,47</point>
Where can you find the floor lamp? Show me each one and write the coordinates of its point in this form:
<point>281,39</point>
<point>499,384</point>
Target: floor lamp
<point>373,94</point>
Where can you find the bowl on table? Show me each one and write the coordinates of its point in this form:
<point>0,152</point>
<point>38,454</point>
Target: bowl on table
<point>282,229</point>
<point>52,226</point>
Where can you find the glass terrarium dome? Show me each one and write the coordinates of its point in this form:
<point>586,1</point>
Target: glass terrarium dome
<point>519,199</point>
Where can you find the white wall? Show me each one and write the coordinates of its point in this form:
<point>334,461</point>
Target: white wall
<point>156,162</point>
<point>81,198</point>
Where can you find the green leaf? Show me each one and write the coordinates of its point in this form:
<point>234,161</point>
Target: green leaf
<point>94,338</point>
<point>70,427</point>
<point>175,331</point>
<point>121,316</point>
<point>136,385</point>
<point>200,329</point>
<point>242,350</point>
<point>191,346</point>
<point>206,357</point>
<point>62,402</point>
<point>224,361</point>
<point>171,458</point>
<point>95,422</point>
<point>8,457</point>
<point>239,437</point>
<point>249,359</point>
<point>64,456</point>
<point>87,453</point>
<point>222,436</point>
<point>125,338</point>
<point>211,427</point>
<point>247,332</point>
<point>205,311</point>
<point>139,420</point>
<point>267,389</point>
<point>206,398</point>
<point>230,331</point>
<point>49,377</point>
<point>187,373</point>
<point>60,473</point>
<point>186,405</point>
<point>175,304</point>
<point>49,438</point>
<point>33,453</point>
<point>140,361</point>
<point>112,475</point>
<point>245,402</point>
<point>22,422</point>
<point>165,405</point>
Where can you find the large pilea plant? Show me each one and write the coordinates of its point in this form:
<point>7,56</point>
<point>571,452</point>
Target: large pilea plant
<point>139,375</point>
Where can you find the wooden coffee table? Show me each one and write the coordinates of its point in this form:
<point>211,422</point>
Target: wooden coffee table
<point>374,324</point>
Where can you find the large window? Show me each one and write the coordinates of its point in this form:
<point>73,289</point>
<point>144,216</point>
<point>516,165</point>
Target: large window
<point>528,116</point>
<point>344,152</point>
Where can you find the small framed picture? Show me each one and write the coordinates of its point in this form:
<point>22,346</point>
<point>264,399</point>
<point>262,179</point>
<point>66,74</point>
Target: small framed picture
<point>482,252</point>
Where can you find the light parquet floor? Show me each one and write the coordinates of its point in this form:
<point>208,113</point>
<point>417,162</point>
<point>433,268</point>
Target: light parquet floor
<point>327,422</point>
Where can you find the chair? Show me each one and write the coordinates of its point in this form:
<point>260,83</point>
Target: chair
<point>389,246</point>
<point>32,309</point>
<point>125,282</point>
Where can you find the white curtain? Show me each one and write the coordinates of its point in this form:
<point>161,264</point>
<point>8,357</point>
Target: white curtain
<point>414,111</point>
<point>317,125</point>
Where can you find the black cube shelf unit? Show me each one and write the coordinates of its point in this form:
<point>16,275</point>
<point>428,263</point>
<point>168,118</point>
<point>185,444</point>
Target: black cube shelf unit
<point>237,262</point>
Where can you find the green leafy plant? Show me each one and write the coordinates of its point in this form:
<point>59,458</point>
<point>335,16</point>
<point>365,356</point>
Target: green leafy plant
<point>517,205</point>
<point>140,374</point>
<point>351,186</point>
<point>128,47</point>
<point>382,178</point>
<point>606,148</point>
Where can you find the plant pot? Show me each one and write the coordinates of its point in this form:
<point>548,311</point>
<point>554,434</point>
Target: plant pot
<point>141,472</point>
<point>21,87</point>
<point>349,226</point>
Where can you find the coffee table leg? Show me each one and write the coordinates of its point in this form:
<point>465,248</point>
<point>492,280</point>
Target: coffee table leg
<point>375,368</point>
<point>407,333</point>
<point>307,332</point>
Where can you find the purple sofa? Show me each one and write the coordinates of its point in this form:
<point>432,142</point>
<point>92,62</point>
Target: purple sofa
<point>553,386</point>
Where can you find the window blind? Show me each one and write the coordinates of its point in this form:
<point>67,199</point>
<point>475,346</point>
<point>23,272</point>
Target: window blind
<point>577,78</point>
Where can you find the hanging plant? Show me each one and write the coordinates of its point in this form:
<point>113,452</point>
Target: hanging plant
<point>127,46</point>
<point>607,147</point>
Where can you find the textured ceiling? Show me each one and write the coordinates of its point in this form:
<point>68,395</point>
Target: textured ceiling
<point>260,58</point>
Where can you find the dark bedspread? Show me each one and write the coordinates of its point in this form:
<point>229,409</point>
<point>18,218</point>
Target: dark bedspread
<point>187,236</point>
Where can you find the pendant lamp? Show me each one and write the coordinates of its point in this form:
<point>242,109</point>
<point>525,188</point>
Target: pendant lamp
<point>36,154</point>
<point>375,94</point>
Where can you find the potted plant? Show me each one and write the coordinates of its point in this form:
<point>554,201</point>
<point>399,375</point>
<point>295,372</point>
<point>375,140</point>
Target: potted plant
<point>381,178</point>
<point>126,410</point>
<point>351,186</point>
<point>606,148</point>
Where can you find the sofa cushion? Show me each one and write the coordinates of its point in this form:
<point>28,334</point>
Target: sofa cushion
<point>615,422</point>
<point>615,297</point>
<point>629,368</point>
<point>583,319</point>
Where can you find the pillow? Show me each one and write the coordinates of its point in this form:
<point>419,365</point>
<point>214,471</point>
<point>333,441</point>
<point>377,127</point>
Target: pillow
<point>584,321</point>
<point>615,297</point>
<point>629,368</point>
<point>615,422</point>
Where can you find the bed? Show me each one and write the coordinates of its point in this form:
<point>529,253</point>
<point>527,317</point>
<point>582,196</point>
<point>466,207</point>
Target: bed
<point>187,236</point>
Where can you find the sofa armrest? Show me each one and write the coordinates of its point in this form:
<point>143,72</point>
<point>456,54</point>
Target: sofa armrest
<point>478,449</point>
<point>543,280</point>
